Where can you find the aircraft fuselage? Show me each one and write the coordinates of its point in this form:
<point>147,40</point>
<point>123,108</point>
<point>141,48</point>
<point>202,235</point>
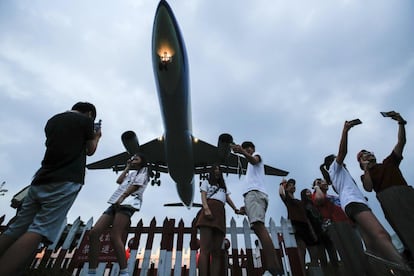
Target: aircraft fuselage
<point>171,73</point>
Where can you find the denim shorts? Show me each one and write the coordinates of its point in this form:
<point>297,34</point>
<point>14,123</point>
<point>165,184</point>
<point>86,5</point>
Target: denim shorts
<point>44,210</point>
<point>113,209</point>
<point>256,203</point>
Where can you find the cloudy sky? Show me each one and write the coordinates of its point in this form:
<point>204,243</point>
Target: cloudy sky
<point>284,74</point>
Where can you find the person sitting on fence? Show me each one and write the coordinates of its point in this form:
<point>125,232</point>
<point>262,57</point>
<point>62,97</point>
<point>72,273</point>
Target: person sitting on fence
<point>212,222</point>
<point>124,202</point>
<point>304,234</point>
<point>376,238</point>
<point>255,205</point>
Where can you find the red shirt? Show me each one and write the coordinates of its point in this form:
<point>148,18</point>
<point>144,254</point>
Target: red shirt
<point>330,210</point>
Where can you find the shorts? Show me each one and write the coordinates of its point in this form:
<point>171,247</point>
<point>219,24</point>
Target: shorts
<point>113,209</point>
<point>354,208</point>
<point>44,210</point>
<point>256,203</point>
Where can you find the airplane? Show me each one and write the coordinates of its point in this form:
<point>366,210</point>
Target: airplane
<point>177,152</point>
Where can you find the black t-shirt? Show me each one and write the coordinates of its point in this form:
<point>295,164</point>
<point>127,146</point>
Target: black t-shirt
<point>65,156</point>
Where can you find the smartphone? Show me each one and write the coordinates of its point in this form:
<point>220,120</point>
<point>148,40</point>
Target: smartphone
<point>355,122</point>
<point>97,126</point>
<point>388,114</point>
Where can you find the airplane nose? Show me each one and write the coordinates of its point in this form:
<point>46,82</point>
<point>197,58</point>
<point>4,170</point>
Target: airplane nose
<point>186,193</point>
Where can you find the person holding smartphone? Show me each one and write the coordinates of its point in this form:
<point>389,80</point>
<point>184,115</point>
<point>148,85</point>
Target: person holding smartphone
<point>377,240</point>
<point>393,192</point>
<point>125,201</point>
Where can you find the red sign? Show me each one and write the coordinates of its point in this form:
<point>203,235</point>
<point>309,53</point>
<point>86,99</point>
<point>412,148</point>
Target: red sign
<point>106,253</point>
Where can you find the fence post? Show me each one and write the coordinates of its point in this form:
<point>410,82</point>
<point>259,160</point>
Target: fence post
<point>148,248</point>
<point>291,247</point>
<point>74,264</point>
<point>67,243</point>
<point>235,267</point>
<point>164,263</point>
<point>248,244</point>
<point>194,246</point>
<point>274,233</point>
<point>179,249</point>
<point>133,263</point>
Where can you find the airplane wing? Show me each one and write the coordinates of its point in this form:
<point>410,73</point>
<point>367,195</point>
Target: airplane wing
<point>206,155</point>
<point>179,204</point>
<point>153,151</point>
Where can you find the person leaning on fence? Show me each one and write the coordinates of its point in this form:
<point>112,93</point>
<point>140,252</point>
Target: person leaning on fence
<point>393,193</point>
<point>255,205</point>
<point>125,201</point>
<point>304,234</point>
<point>376,238</point>
<point>70,137</point>
<point>212,222</point>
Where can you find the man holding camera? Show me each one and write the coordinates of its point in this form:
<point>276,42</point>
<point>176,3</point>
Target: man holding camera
<point>70,137</point>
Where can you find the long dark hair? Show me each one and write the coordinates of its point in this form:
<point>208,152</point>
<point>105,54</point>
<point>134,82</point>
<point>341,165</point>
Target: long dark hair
<point>219,182</point>
<point>305,199</point>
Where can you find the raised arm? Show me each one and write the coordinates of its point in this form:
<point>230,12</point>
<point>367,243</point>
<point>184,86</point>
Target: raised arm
<point>253,159</point>
<point>399,147</point>
<point>124,173</point>
<point>92,145</point>
<point>343,144</point>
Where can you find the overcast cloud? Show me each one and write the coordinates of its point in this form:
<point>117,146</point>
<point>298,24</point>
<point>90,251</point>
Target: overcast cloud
<point>284,74</point>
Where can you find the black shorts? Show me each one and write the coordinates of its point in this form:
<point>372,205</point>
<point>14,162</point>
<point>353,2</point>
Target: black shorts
<point>128,211</point>
<point>354,208</point>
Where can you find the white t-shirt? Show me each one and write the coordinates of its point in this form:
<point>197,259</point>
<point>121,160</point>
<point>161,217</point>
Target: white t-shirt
<point>136,177</point>
<point>345,185</point>
<point>255,176</point>
<point>211,191</point>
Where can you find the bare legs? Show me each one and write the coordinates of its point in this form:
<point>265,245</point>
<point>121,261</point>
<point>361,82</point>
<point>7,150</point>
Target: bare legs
<point>210,247</point>
<point>269,253</point>
<point>376,238</point>
<point>120,222</point>
<point>16,255</point>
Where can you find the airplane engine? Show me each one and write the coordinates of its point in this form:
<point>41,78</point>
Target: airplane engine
<point>130,141</point>
<point>223,145</point>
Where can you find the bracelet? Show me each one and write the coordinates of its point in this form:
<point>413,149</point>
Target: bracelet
<point>402,122</point>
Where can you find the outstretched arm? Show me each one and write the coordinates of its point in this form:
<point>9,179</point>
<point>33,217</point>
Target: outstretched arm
<point>253,159</point>
<point>399,147</point>
<point>343,144</point>
<point>231,203</point>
